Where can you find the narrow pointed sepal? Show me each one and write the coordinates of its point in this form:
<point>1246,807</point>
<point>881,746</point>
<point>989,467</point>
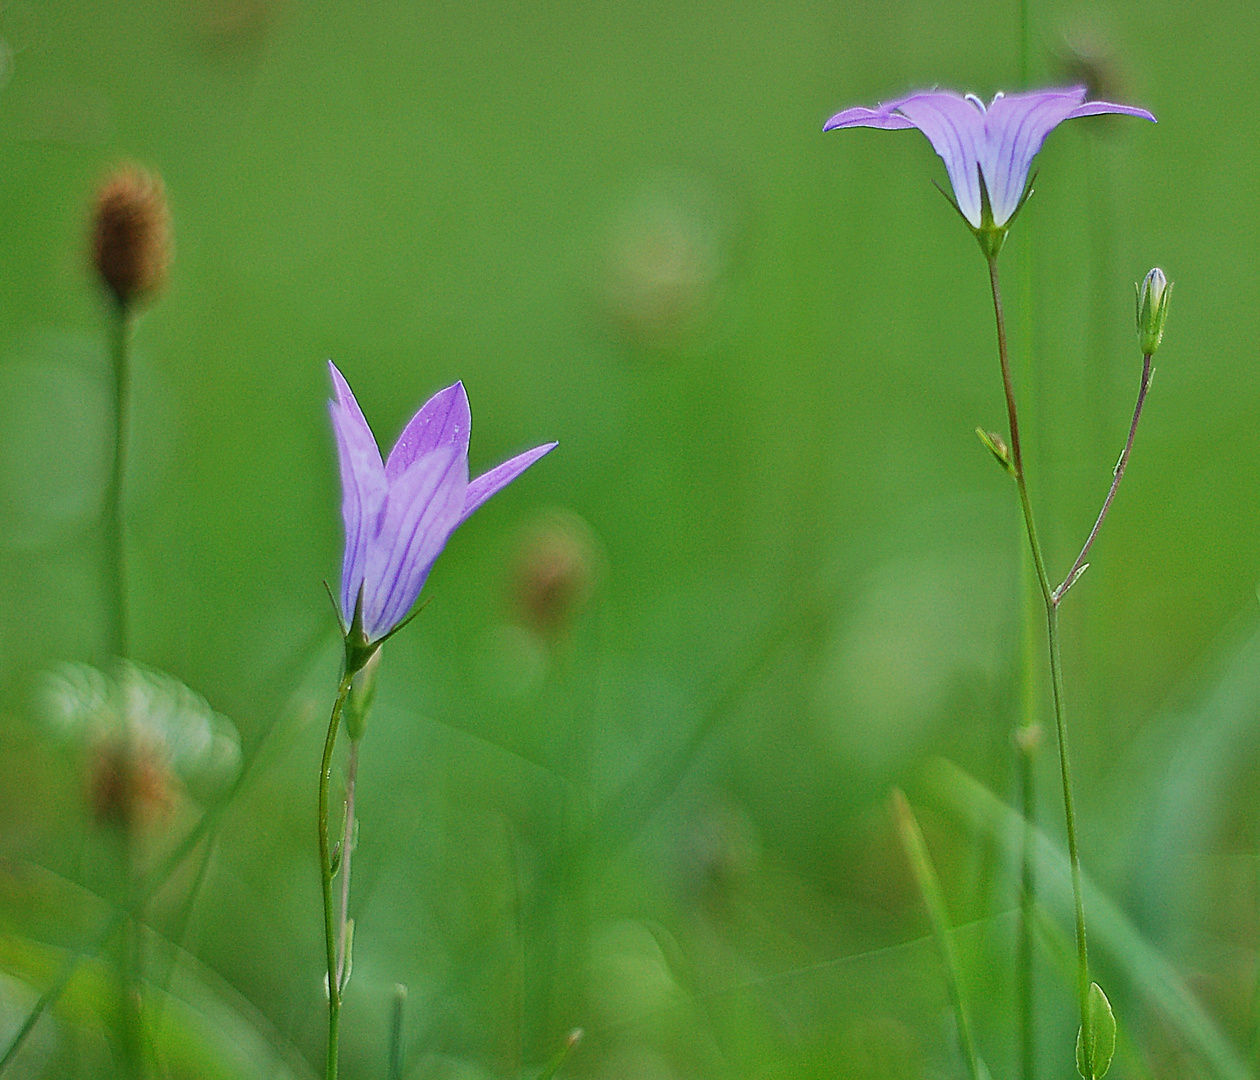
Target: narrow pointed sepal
<point>359,650</point>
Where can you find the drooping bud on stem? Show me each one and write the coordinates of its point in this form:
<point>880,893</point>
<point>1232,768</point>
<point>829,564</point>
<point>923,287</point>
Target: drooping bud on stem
<point>1153,294</point>
<point>131,235</point>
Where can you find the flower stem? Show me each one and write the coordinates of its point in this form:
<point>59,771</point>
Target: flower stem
<point>1117,476</point>
<point>326,873</point>
<point>115,551</point>
<point>1056,674</point>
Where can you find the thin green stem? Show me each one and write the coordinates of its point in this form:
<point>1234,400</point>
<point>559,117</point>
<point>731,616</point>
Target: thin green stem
<point>1116,476</point>
<point>1069,812</point>
<point>326,872</point>
<point>131,961</point>
<point>930,889</point>
<point>115,568</point>
<point>1056,674</point>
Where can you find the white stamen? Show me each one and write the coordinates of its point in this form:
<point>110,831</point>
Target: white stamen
<point>976,102</point>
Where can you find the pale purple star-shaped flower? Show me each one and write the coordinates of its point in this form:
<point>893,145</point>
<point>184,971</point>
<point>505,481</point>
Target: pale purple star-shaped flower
<point>997,143</point>
<point>400,513</point>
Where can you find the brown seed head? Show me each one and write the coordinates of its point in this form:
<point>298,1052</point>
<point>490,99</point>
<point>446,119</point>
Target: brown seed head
<point>131,234</point>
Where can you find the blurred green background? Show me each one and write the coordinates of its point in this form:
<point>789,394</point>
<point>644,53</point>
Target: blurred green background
<point>629,771</point>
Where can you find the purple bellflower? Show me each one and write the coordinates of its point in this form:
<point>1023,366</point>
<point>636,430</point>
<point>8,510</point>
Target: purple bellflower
<point>400,513</point>
<point>987,151</point>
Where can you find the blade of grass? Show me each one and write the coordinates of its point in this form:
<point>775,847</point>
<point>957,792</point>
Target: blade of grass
<point>930,889</point>
<point>1152,976</point>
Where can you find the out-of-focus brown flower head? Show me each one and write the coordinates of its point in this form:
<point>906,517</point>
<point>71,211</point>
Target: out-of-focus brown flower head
<point>129,784</point>
<point>1085,55</point>
<point>555,572</point>
<point>131,234</point>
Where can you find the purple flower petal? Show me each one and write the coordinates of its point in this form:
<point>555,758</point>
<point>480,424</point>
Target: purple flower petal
<point>363,486</point>
<point>399,515</point>
<point>443,420</point>
<point>421,511</point>
<point>863,117</point>
<point>1015,130</point>
<point>1096,108</point>
<point>955,128</point>
<point>999,142</point>
<point>499,477</point>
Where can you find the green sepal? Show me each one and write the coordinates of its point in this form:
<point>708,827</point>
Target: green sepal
<point>989,235</point>
<point>1154,292</point>
<point>997,447</point>
<point>358,649</point>
<point>1094,1063</point>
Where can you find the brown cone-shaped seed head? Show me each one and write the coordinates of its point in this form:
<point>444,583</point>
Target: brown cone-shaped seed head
<point>131,234</point>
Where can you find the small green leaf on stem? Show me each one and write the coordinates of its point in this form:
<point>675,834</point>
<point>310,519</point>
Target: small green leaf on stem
<point>997,447</point>
<point>1094,1062</point>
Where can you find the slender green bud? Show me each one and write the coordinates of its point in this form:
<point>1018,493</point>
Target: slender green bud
<point>1153,294</point>
<point>362,694</point>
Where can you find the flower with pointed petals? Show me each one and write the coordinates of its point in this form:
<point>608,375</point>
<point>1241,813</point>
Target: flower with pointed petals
<point>987,151</point>
<point>400,513</point>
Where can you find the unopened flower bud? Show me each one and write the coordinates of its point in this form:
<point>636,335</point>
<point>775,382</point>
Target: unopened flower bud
<point>131,235</point>
<point>1153,294</point>
<point>362,695</point>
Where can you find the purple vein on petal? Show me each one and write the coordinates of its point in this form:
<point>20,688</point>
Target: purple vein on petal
<point>499,477</point>
<point>1017,129</point>
<point>443,420</point>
